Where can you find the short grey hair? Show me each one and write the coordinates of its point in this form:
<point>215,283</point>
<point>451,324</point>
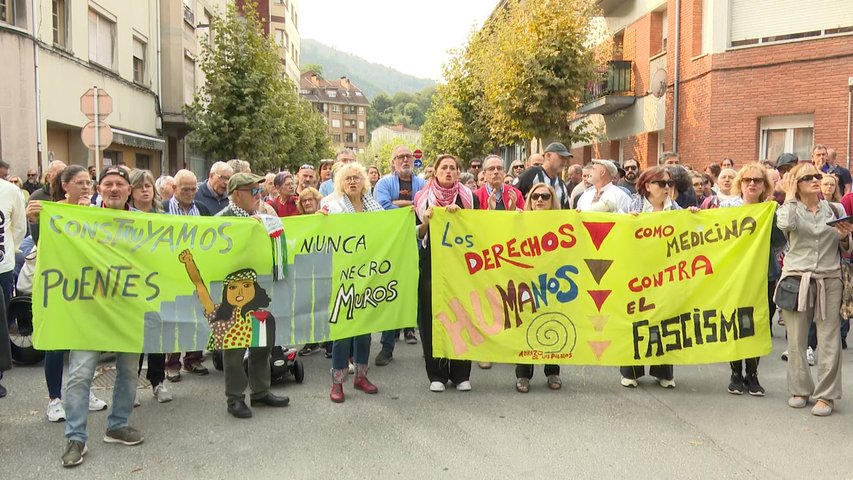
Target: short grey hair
<point>239,166</point>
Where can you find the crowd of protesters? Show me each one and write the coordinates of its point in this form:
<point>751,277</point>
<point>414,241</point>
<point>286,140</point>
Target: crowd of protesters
<point>809,265</point>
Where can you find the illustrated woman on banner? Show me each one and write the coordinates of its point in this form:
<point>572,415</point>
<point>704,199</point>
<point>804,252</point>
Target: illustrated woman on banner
<point>239,320</point>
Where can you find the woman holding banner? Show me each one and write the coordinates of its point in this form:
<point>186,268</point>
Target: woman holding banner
<point>444,190</point>
<point>146,198</point>
<point>351,195</point>
<point>752,185</point>
<point>540,197</point>
<point>655,193</point>
<point>810,287</point>
<point>73,186</point>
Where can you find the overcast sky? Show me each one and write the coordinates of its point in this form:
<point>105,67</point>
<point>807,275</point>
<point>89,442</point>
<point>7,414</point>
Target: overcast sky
<point>412,36</point>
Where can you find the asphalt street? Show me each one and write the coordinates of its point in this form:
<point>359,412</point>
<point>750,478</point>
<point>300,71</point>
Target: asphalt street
<point>592,428</point>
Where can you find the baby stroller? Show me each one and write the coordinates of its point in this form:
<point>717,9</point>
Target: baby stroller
<point>283,364</point>
<point>20,318</point>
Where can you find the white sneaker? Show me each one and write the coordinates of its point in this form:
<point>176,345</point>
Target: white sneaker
<point>436,387</point>
<point>666,383</point>
<point>95,403</point>
<point>55,410</point>
<point>161,394</point>
<point>785,355</point>
<point>351,369</point>
<point>628,382</point>
<point>464,386</point>
<point>810,356</point>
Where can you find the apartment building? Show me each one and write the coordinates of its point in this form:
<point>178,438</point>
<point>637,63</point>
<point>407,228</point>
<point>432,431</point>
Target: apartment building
<point>343,106</point>
<point>281,22</point>
<point>111,44</point>
<point>186,28</point>
<point>747,79</point>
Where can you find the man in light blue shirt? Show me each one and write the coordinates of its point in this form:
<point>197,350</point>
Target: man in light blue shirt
<point>397,190</point>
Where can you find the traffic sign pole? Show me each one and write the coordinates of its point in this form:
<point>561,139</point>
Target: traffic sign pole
<point>97,135</point>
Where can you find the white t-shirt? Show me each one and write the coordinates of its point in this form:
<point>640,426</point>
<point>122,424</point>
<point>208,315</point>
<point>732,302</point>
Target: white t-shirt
<point>612,199</point>
<point>13,224</point>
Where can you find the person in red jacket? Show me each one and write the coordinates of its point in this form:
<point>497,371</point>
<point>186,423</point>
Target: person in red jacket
<point>495,194</point>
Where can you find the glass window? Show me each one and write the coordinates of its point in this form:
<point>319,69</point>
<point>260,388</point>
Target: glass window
<point>143,161</point>
<point>60,27</point>
<point>139,48</point>
<point>336,123</point>
<point>786,134</point>
<point>101,40</point>
<point>189,79</point>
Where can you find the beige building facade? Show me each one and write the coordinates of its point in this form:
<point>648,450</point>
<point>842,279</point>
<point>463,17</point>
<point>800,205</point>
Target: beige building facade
<point>18,140</point>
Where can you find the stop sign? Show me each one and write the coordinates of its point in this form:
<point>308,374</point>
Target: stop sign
<point>418,154</point>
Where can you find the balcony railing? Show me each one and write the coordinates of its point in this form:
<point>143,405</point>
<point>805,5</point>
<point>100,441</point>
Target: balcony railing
<point>614,78</point>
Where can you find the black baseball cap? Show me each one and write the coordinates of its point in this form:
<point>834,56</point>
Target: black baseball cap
<point>111,170</point>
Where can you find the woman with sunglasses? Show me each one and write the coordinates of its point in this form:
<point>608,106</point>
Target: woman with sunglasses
<point>540,197</point>
<point>655,192</point>
<point>813,257</point>
<point>351,195</point>
<point>753,185</point>
<point>515,168</point>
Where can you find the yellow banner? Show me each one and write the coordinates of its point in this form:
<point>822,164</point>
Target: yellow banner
<point>564,287</point>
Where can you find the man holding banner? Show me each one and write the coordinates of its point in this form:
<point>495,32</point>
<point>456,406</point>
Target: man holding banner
<point>115,190</point>
<point>395,191</point>
<point>244,194</point>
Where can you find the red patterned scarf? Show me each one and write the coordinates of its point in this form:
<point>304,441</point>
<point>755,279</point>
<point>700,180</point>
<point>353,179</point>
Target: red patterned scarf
<point>434,195</point>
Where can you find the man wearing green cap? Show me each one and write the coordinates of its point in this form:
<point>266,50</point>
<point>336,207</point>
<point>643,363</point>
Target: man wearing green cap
<point>244,196</point>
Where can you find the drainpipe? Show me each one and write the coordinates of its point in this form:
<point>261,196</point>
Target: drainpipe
<point>676,76</point>
<point>39,166</point>
<point>163,167</point>
<point>849,115</point>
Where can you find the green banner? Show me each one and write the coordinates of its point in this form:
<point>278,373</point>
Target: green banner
<point>120,281</point>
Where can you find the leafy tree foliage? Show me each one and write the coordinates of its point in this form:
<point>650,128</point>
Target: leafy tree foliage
<point>522,76</point>
<point>247,107</point>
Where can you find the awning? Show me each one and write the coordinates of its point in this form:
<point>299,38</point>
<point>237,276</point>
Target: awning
<point>138,140</point>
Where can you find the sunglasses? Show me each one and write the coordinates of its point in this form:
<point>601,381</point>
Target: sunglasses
<point>663,183</point>
<point>475,165</point>
<point>307,166</point>
<point>755,180</point>
<point>254,190</point>
<point>517,167</point>
<point>810,177</point>
<point>540,196</point>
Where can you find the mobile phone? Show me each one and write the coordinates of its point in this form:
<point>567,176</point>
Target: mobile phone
<point>848,219</point>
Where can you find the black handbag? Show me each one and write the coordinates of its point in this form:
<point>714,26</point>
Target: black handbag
<point>787,293</point>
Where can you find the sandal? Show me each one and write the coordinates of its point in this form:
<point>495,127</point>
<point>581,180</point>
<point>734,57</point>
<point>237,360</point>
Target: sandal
<point>554,382</point>
<point>522,385</point>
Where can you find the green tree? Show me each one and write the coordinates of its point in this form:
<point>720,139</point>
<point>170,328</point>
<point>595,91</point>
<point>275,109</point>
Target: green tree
<point>247,108</point>
<point>534,60</point>
<point>312,67</point>
<point>457,121</point>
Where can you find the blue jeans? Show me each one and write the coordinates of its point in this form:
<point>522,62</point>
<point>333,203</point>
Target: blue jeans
<point>358,347</point>
<point>389,338</point>
<point>81,370</point>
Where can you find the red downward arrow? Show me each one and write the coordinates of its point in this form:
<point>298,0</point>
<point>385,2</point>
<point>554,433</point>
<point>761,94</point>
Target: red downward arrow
<point>599,297</point>
<point>598,231</point>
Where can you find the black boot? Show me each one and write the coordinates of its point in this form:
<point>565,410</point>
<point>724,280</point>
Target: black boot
<point>753,387</point>
<point>736,384</point>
